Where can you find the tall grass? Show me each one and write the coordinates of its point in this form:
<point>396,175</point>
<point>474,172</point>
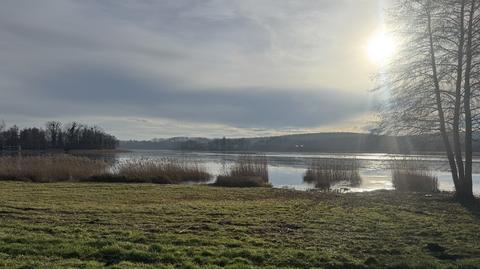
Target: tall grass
<point>48,168</point>
<point>412,175</point>
<point>323,173</point>
<point>247,171</point>
<point>164,171</point>
<point>250,166</point>
<point>62,167</point>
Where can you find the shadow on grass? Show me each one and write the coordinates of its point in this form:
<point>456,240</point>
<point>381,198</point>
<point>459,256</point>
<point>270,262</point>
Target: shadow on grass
<point>473,206</point>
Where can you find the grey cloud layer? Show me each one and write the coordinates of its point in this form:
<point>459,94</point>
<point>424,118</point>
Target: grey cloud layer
<point>109,92</point>
<point>238,63</point>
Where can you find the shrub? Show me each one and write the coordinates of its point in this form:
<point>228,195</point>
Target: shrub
<point>413,176</point>
<point>323,173</point>
<point>48,168</point>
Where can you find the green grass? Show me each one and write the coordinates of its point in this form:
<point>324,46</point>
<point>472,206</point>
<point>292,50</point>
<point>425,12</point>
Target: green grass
<point>88,225</point>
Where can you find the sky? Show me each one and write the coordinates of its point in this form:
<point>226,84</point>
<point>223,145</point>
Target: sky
<point>143,69</point>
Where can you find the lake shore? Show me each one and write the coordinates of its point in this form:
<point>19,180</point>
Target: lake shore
<point>72,151</point>
<point>94,225</point>
<point>97,151</point>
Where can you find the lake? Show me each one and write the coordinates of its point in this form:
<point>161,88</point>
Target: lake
<point>286,169</point>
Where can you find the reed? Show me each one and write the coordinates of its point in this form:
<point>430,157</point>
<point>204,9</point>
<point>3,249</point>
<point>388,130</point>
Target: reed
<point>325,172</point>
<point>163,171</point>
<point>250,166</point>
<point>49,168</point>
<point>247,171</point>
<point>62,167</point>
<point>413,175</point>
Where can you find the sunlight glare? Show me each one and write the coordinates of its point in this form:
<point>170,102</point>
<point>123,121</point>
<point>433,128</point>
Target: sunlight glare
<point>380,47</point>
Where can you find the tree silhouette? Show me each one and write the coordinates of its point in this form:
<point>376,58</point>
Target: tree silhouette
<point>430,81</point>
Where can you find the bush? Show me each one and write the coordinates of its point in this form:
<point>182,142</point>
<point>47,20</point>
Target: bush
<point>231,181</point>
<point>413,176</point>
<point>50,168</point>
<point>324,173</point>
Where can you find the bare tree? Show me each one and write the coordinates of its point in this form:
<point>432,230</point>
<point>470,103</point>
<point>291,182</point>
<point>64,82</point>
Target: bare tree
<point>54,134</point>
<point>2,138</point>
<point>467,184</point>
<point>431,76</point>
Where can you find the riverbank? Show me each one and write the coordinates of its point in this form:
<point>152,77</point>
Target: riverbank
<point>92,225</point>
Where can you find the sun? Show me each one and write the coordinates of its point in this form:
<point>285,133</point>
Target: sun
<point>381,47</point>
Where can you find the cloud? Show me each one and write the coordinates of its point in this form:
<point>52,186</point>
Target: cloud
<point>237,64</point>
<point>95,91</point>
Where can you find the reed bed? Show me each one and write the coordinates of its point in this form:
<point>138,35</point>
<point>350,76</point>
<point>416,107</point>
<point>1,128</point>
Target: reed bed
<point>247,171</point>
<point>49,168</point>
<point>63,167</point>
<point>412,175</point>
<point>326,172</point>
<point>163,171</point>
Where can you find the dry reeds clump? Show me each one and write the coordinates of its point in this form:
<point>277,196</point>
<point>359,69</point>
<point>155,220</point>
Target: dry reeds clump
<point>323,173</point>
<point>61,167</point>
<point>164,171</point>
<point>247,171</point>
<point>50,168</point>
<point>411,175</point>
<point>250,166</point>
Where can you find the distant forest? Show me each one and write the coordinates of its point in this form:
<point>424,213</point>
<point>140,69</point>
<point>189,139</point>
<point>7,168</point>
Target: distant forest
<point>315,142</point>
<point>55,135</point>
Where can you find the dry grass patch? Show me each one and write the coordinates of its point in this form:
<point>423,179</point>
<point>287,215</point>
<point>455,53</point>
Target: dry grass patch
<point>247,171</point>
<point>323,173</point>
<point>62,167</point>
<point>50,168</point>
<point>413,175</point>
<point>166,171</point>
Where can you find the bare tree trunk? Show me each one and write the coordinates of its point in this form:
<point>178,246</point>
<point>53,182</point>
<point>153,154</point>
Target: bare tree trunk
<point>467,192</point>
<point>443,130</point>
<point>457,145</point>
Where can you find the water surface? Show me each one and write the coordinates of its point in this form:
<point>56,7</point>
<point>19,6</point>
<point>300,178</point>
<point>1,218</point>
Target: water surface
<point>286,169</point>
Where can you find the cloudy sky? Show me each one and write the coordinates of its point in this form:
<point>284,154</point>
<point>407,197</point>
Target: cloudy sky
<point>161,68</point>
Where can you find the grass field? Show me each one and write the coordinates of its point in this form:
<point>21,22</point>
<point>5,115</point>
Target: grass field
<point>87,225</point>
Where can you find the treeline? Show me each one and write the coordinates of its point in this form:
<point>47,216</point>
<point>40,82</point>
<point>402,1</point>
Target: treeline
<point>316,142</point>
<point>55,135</point>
